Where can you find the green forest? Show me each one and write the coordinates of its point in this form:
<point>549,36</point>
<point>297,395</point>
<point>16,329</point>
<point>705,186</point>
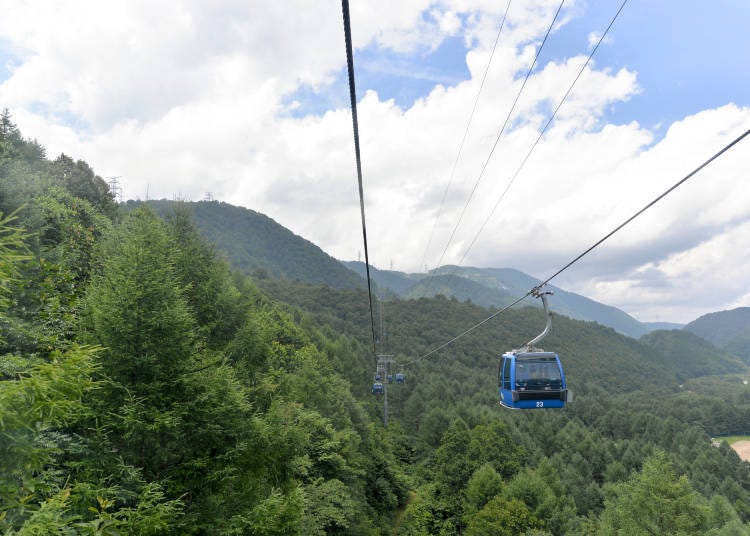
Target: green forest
<point>149,387</point>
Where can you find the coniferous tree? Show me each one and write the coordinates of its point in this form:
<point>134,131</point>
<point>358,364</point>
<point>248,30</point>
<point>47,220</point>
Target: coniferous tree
<point>137,311</point>
<point>654,501</point>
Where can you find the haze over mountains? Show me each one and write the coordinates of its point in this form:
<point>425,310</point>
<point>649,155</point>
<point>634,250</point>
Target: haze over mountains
<point>255,243</point>
<point>728,330</point>
<point>498,287</point>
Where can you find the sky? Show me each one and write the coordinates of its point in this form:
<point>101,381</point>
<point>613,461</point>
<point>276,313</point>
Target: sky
<point>249,100</point>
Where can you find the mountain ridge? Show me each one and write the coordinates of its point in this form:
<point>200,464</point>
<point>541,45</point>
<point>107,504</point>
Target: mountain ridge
<point>253,242</point>
<point>728,330</point>
<point>502,286</point>
<point>256,244</point>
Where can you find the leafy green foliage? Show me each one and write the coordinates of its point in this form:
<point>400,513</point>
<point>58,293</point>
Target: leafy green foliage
<point>15,151</point>
<point>12,243</point>
<point>80,180</point>
<point>654,501</point>
<point>217,404</point>
<point>256,244</point>
<point>502,517</point>
<point>211,296</point>
<point>34,407</point>
<point>483,485</point>
<point>628,403</point>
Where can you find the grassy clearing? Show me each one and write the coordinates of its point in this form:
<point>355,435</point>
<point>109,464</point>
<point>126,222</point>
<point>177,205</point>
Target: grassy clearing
<point>734,438</point>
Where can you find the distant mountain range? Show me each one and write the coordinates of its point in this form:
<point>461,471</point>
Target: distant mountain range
<point>653,326</point>
<point>497,287</point>
<point>688,355</point>
<point>728,330</point>
<point>255,244</point>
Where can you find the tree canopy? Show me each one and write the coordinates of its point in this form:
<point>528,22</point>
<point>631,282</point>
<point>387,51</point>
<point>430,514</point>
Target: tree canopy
<point>147,386</point>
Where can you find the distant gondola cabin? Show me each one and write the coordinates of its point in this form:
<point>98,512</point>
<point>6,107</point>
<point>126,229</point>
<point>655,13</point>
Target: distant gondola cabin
<point>532,380</point>
<point>400,378</point>
<point>377,388</point>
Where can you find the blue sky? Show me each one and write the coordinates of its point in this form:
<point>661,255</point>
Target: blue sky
<point>401,77</point>
<point>689,56</point>
<point>176,101</point>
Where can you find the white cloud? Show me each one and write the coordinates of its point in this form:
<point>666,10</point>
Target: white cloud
<point>678,287</point>
<point>184,97</point>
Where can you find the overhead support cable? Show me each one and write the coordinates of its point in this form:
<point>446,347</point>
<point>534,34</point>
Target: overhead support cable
<point>538,139</point>
<point>353,98</point>
<point>645,208</point>
<point>467,331</point>
<point>541,134</point>
<point>466,133</point>
<point>502,130</point>
<point>606,237</point>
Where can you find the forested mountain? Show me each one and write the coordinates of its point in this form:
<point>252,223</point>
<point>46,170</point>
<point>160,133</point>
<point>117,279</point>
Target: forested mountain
<point>461,288</point>
<point>629,401</point>
<point>146,388</point>
<point>496,287</point>
<point>593,354</point>
<point>653,326</point>
<point>254,243</point>
<point>729,330</point>
<point>398,282</point>
<point>690,356</point>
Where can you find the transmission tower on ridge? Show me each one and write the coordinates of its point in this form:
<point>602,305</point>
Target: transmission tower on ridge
<point>115,188</point>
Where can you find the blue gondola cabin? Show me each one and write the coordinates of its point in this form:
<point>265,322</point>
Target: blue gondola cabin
<point>377,388</point>
<point>400,378</point>
<point>532,380</point>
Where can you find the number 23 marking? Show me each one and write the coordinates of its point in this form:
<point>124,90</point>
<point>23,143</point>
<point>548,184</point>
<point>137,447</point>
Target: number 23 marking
<point>540,404</point>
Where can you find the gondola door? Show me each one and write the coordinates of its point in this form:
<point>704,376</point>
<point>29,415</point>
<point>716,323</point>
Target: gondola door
<point>505,380</point>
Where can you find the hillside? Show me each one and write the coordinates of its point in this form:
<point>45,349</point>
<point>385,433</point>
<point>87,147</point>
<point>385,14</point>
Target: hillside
<point>461,288</point>
<point>729,330</point>
<point>254,243</point>
<point>594,355</point>
<point>629,394</point>
<point>653,326</point>
<point>690,356</point>
<point>495,287</point>
<point>398,282</point>
<point>149,389</point>
<point>566,303</point>
<point>597,359</point>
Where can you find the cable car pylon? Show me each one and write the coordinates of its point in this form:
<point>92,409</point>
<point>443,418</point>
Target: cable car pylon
<point>384,362</point>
